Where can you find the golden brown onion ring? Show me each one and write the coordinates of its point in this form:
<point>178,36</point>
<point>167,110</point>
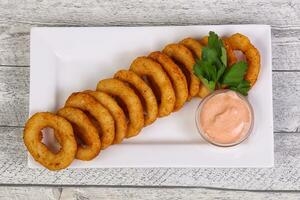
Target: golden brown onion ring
<point>193,45</point>
<point>133,104</point>
<point>144,66</point>
<point>242,43</point>
<point>115,110</point>
<point>176,76</point>
<point>196,48</point>
<point>231,57</point>
<point>204,40</point>
<point>39,151</point>
<point>144,90</point>
<point>180,54</point>
<point>105,121</point>
<point>84,130</point>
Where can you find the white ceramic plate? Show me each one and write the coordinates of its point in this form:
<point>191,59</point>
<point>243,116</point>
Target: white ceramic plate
<point>64,60</point>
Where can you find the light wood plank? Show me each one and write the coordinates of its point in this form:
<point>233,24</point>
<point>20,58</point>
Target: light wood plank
<point>76,193</point>
<point>29,193</point>
<point>17,19</point>
<point>169,194</point>
<point>14,97</point>
<point>106,12</point>
<point>284,176</point>
<point>14,45</point>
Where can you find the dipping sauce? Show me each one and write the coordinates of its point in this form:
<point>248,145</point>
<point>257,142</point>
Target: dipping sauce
<point>224,118</point>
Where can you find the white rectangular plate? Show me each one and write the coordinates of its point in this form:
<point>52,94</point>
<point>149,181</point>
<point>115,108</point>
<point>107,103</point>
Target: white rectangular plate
<point>64,60</point>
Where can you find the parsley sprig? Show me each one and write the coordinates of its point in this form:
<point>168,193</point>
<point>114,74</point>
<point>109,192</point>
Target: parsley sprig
<point>212,69</point>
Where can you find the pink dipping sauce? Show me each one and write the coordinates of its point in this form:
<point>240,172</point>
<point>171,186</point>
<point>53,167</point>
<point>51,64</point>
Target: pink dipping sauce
<point>225,118</point>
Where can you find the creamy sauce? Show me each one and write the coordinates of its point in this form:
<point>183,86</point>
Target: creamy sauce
<point>225,118</point>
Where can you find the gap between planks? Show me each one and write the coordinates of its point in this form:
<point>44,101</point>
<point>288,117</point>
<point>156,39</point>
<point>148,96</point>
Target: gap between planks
<point>62,186</point>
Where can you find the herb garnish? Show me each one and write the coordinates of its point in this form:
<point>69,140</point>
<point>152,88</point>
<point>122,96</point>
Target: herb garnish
<point>212,69</point>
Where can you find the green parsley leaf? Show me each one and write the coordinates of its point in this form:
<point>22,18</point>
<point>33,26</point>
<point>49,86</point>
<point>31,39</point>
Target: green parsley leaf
<point>209,55</point>
<point>223,56</point>
<point>198,70</point>
<point>243,87</point>
<point>212,69</point>
<point>206,73</point>
<point>215,43</point>
<point>220,72</point>
<point>234,75</point>
<point>212,85</point>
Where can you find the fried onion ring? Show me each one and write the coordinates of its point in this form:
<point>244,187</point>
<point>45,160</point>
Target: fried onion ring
<point>231,57</point>
<point>204,40</point>
<point>115,110</point>
<point>144,66</point>
<point>105,121</point>
<point>133,104</point>
<point>193,45</point>
<point>241,42</point>
<point>144,90</point>
<point>84,130</point>
<point>39,151</point>
<point>180,54</point>
<point>176,76</point>
<point>196,48</point>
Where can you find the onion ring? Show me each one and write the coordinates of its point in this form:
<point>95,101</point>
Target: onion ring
<point>84,130</point>
<point>144,66</point>
<point>241,42</point>
<point>182,55</point>
<point>144,90</point>
<point>193,45</point>
<point>115,110</point>
<point>176,76</point>
<point>39,151</point>
<point>105,121</point>
<point>118,88</point>
<point>231,57</point>
<point>204,40</point>
<point>196,48</point>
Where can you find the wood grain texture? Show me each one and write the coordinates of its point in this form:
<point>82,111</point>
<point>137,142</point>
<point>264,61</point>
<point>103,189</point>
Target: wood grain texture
<point>169,194</point>
<point>29,193</point>
<point>93,193</point>
<point>14,95</point>
<point>107,12</point>
<point>14,45</point>
<point>17,19</point>
<point>284,176</point>
<point>14,98</point>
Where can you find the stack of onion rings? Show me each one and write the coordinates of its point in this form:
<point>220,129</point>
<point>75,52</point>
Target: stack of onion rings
<point>176,76</point>
<point>134,106</point>
<point>196,48</point>
<point>144,66</point>
<point>85,131</point>
<point>151,107</point>
<point>181,55</point>
<point>154,86</point>
<point>115,110</point>
<point>103,118</point>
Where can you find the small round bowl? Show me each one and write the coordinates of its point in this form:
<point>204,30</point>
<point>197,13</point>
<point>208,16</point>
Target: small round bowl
<point>205,137</point>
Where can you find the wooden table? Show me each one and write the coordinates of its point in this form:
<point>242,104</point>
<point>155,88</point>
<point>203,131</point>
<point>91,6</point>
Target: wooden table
<point>19,182</point>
